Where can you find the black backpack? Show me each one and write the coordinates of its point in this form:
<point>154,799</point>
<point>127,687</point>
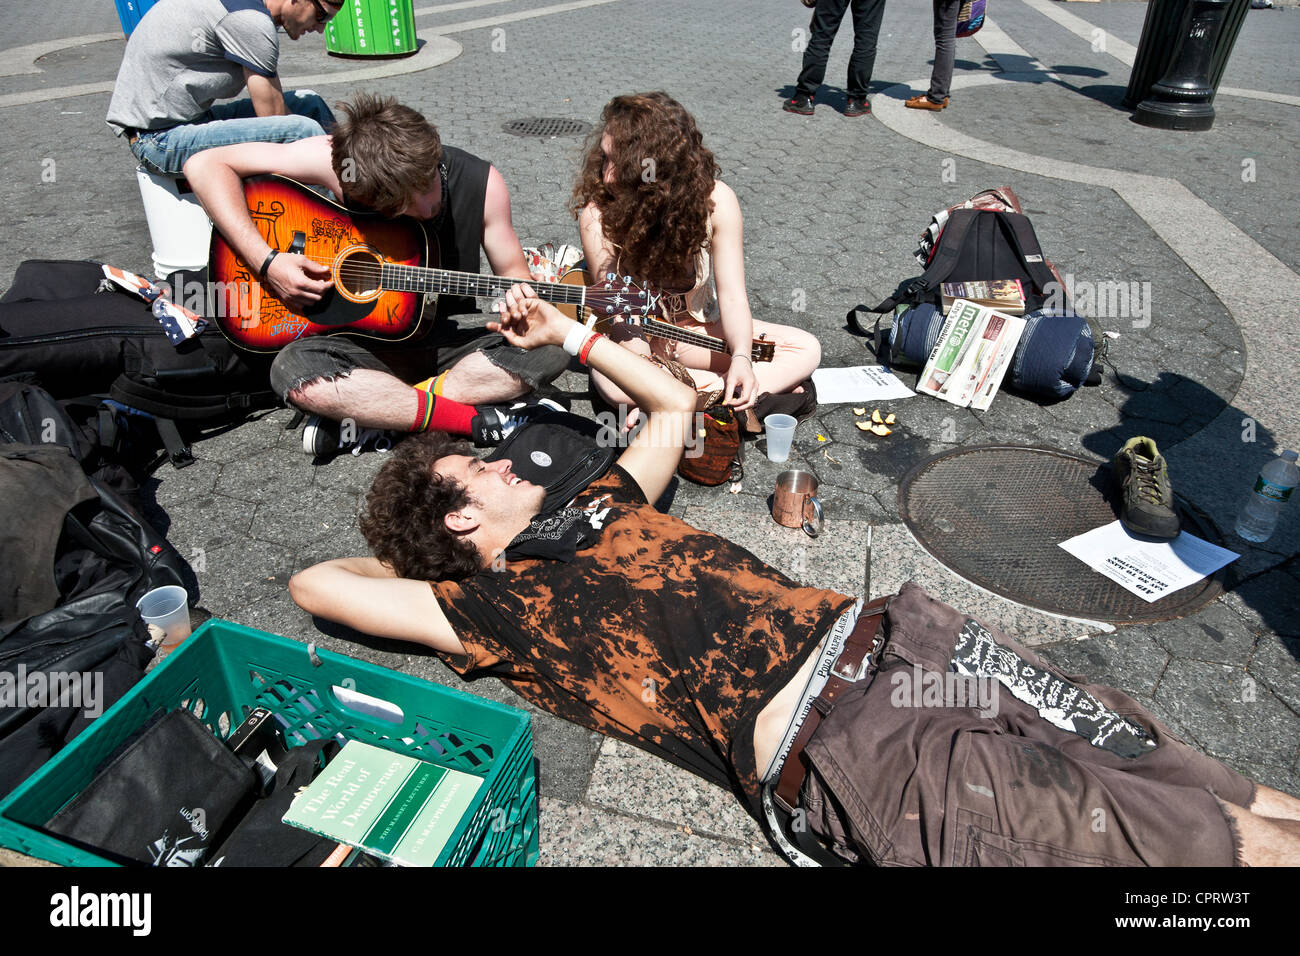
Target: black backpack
<point>560,451</point>
<point>56,322</point>
<point>73,611</point>
<point>977,245</point>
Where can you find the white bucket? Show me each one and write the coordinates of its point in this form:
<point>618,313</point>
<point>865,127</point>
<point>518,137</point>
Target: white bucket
<point>178,227</point>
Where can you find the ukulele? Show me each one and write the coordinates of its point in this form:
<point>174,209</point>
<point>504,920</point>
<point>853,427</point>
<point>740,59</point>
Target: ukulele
<point>761,350</point>
<point>382,269</point>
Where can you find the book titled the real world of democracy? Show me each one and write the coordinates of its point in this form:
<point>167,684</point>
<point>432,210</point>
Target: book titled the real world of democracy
<point>395,806</point>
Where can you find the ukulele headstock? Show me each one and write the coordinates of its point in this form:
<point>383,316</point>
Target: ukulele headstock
<point>619,298</point>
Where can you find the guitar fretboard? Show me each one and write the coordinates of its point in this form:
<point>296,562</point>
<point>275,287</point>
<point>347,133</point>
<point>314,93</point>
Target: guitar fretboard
<point>400,278</point>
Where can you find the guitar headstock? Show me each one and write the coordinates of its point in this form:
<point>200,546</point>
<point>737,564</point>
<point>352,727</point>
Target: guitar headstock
<point>763,350</point>
<point>616,297</point>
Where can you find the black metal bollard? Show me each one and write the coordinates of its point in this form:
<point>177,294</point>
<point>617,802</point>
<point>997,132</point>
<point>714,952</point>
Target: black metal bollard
<point>1192,40</point>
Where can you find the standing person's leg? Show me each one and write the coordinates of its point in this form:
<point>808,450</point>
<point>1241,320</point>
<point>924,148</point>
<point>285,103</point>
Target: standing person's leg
<point>825,24</point>
<point>945,49</point>
<point>867,15</point>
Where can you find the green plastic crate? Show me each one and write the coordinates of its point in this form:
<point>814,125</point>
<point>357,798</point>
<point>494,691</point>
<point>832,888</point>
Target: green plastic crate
<point>372,28</point>
<point>225,670</point>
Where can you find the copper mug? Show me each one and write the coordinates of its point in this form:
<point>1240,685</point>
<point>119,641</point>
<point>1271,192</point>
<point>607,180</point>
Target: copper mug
<point>796,490</point>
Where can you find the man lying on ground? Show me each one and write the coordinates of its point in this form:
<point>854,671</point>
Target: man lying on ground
<point>629,621</point>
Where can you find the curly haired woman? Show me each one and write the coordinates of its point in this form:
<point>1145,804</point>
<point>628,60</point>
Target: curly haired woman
<point>649,204</point>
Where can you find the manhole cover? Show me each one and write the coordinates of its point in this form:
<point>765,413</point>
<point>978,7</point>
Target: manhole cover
<point>547,126</point>
<point>994,514</point>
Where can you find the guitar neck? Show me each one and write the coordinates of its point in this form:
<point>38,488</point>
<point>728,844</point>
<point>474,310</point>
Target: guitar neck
<point>666,330</point>
<point>400,278</point>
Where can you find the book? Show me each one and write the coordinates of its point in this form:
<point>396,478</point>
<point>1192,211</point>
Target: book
<point>971,356</point>
<point>392,805</point>
<point>1005,295</point>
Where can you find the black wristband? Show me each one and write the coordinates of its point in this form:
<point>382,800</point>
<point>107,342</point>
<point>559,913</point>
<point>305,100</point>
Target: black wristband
<point>266,264</point>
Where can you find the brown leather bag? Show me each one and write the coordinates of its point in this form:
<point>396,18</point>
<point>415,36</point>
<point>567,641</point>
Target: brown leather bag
<point>713,454</point>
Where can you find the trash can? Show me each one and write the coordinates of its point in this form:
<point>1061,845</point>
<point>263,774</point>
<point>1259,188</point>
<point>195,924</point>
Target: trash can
<point>373,28</point>
<point>1163,31</point>
<point>129,12</point>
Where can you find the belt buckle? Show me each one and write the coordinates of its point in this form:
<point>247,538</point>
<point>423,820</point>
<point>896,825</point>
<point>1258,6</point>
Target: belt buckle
<point>861,670</point>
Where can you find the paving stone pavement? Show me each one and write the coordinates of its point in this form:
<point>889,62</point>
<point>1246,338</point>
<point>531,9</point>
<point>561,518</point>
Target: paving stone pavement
<point>832,209</point>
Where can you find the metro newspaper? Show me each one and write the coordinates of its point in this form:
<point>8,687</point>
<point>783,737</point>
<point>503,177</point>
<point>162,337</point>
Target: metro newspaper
<point>971,357</point>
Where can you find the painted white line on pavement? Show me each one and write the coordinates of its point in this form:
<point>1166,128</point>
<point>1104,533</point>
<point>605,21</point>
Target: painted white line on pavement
<point>1011,57</point>
<point>520,15</point>
<point>1121,50</point>
<point>1127,52</point>
<point>1248,279</point>
<point>54,93</point>
<point>448,7</point>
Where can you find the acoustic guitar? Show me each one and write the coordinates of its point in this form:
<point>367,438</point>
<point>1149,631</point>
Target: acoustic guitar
<point>382,269</point>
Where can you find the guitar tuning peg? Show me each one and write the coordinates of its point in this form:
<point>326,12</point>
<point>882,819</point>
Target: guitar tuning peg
<point>610,276</point>
<point>608,309</point>
<point>627,279</point>
<point>641,293</point>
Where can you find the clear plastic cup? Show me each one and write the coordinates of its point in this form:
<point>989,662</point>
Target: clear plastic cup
<point>168,608</point>
<point>780,436</point>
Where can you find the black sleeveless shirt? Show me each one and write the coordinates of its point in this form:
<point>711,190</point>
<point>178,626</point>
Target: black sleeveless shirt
<point>459,227</point>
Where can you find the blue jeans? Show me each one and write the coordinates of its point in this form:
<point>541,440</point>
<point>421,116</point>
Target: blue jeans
<point>165,151</point>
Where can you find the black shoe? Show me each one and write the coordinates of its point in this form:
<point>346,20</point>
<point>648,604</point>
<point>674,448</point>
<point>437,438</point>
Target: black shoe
<point>1147,505</point>
<point>800,103</point>
<point>858,106</point>
<point>493,424</point>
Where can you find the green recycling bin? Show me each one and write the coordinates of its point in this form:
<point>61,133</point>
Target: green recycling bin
<point>372,28</point>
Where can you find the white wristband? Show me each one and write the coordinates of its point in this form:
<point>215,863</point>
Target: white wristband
<point>576,339</point>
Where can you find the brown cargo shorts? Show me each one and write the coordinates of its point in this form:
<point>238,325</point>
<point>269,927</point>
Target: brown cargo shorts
<point>927,763</point>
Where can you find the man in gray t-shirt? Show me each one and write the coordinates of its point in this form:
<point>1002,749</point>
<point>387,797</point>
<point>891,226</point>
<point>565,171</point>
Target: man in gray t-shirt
<point>186,54</point>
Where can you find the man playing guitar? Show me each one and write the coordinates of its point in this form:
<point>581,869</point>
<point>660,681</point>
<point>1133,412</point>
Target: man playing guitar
<point>386,157</point>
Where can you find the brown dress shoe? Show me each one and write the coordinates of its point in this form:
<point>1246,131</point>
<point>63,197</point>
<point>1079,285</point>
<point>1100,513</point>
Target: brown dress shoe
<point>924,102</point>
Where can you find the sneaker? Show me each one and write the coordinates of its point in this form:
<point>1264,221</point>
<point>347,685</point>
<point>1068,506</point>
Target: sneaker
<point>800,103</point>
<point>1147,505</point>
<point>321,436</point>
<point>858,106</point>
<point>493,424</point>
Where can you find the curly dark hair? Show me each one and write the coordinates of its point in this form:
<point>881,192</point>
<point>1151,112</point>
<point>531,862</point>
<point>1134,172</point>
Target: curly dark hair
<point>405,507</point>
<point>656,212</point>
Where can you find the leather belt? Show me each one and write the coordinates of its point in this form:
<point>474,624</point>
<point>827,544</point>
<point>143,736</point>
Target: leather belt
<point>847,671</point>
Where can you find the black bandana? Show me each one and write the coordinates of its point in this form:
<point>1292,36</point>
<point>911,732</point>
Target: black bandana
<point>560,534</point>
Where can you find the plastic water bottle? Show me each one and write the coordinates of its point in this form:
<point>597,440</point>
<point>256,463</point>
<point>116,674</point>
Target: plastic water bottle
<point>1273,487</point>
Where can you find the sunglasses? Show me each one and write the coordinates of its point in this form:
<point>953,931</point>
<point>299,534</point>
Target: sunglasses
<point>322,13</point>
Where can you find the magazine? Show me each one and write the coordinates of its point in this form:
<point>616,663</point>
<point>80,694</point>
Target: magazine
<point>1005,295</point>
<point>971,356</point>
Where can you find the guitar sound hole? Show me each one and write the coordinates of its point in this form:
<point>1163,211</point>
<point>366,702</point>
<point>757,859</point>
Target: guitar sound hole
<point>357,275</point>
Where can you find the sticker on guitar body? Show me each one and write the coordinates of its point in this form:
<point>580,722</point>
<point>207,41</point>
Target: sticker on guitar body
<point>290,329</point>
<point>335,230</point>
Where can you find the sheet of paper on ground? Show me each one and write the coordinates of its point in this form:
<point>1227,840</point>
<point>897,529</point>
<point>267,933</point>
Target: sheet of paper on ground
<point>1150,569</point>
<point>860,383</point>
